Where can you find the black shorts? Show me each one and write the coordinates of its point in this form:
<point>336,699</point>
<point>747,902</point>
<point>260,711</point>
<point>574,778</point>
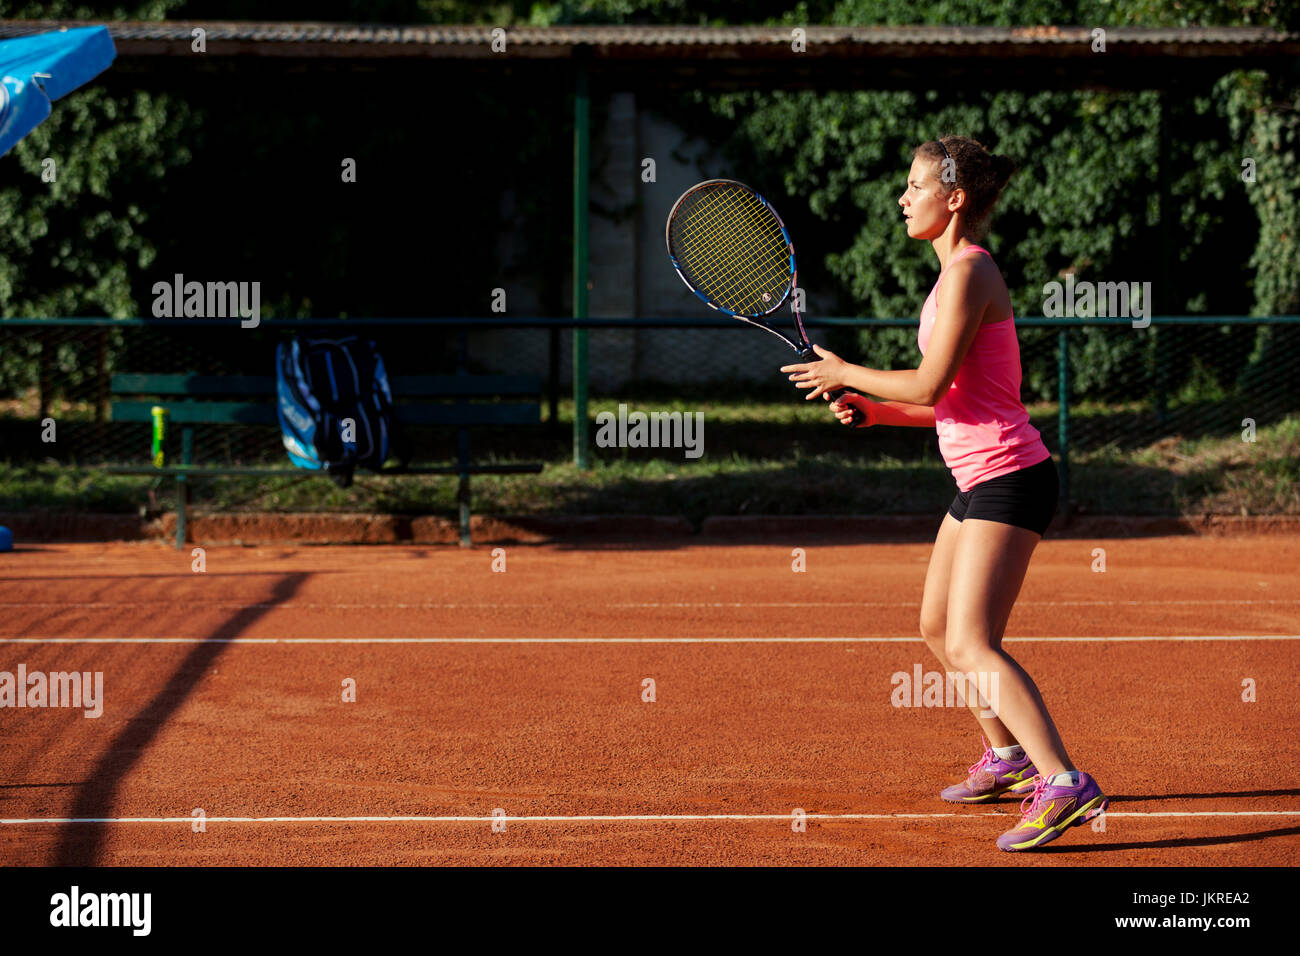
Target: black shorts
<point>1026,498</point>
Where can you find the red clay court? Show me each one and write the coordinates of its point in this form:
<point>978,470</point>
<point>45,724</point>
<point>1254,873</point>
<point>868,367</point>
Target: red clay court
<point>481,692</point>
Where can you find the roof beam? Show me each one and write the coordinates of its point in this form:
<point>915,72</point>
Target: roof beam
<point>1039,57</point>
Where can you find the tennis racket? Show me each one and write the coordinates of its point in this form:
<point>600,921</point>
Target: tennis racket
<point>733,251</point>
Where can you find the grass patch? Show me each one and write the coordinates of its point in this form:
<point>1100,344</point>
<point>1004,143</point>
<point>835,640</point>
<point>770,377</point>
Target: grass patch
<point>774,457</point>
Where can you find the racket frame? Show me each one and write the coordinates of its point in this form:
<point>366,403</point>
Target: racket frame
<point>753,318</point>
<point>804,346</point>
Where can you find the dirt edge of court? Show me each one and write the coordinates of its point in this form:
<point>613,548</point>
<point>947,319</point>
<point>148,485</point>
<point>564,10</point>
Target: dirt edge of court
<point>253,528</point>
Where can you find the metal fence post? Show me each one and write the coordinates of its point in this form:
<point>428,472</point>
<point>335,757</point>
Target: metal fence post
<point>1063,414</point>
<point>1164,175</point>
<point>581,144</point>
<point>182,485</point>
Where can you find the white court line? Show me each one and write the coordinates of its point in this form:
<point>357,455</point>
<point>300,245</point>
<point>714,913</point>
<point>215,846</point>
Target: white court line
<point>613,640</point>
<point>433,606</point>
<point>618,818</point>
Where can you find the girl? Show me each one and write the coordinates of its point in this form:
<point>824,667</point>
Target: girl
<point>968,388</point>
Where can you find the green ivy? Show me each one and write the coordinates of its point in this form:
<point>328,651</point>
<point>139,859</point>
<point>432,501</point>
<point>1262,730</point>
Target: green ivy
<point>73,246</point>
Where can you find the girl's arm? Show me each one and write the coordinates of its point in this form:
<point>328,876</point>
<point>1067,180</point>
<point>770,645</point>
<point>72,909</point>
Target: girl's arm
<point>901,413</point>
<point>882,413</point>
<point>967,294</point>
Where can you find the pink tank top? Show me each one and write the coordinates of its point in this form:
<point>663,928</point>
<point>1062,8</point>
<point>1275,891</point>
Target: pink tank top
<point>984,429</point>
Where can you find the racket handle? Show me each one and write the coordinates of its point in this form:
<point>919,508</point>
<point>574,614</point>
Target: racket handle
<point>858,418</point>
<point>808,355</point>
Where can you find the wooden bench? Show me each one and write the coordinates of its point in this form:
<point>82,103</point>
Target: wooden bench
<point>217,400</point>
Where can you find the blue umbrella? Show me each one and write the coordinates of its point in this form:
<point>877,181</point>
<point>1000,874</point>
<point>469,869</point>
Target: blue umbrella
<point>36,70</point>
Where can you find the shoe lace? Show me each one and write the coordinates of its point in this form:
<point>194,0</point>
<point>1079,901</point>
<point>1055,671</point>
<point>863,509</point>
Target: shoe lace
<point>984,761</point>
<point>1040,788</point>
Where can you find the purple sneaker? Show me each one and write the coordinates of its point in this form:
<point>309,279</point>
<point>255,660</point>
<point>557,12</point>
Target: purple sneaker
<point>1051,810</point>
<point>991,777</point>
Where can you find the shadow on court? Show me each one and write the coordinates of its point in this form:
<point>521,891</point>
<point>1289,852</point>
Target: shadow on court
<point>1172,844</point>
<point>118,578</point>
<point>80,844</point>
<point>1295,792</point>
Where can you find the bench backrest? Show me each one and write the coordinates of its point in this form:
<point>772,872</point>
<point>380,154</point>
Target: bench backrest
<point>250,399</point>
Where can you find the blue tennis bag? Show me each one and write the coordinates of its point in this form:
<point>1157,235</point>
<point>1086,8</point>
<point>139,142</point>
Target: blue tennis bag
<point>334,404</point>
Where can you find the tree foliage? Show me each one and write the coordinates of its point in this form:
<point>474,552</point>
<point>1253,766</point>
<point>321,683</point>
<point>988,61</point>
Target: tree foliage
<point>75,245</point>
<point>152,179</point>
<point>1085,199</point>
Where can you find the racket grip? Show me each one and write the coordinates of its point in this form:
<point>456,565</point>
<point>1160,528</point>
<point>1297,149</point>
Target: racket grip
<point>808,355</point>
<point>858,418</point>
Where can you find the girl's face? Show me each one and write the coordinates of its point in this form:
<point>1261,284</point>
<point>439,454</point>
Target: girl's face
<point>924,208</point>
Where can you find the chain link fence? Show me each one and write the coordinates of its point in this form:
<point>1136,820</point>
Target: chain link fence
<point>1124,388</point>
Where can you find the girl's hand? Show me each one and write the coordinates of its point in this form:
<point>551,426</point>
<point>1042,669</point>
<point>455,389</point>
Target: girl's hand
<point>843,407</point>
<point>824,376</point>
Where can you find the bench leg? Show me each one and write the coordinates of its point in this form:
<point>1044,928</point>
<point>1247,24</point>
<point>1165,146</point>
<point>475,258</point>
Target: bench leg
<point>462,499</point>
<point>180,511</point>
<point>182,488</point>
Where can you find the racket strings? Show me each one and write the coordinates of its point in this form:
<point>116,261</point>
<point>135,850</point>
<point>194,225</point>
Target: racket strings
<point>742,258</point>
<point>735,249</point>
<point>742,270</point>
<point>710,232</point>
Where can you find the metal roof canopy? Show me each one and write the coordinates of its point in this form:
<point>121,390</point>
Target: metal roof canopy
<point>717,58</point>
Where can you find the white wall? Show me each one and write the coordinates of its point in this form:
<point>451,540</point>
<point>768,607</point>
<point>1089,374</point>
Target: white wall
<point>629,270</point>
